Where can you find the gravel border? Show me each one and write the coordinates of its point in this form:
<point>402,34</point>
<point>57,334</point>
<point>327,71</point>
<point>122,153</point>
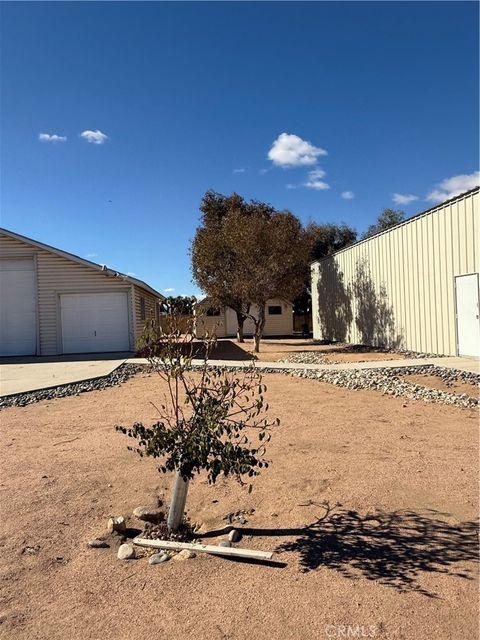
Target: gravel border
<point>389,381</point>
<point>326,357</point>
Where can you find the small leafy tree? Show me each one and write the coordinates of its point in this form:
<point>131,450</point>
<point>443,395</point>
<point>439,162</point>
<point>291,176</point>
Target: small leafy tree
<point>180,305</point>
<point>210,419</point>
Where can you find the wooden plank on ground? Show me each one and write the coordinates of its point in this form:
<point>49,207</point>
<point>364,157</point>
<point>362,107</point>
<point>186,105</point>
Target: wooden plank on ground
<point>233,552</point>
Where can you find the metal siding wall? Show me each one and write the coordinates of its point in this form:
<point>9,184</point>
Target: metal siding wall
<point>416,263</point>
<point>56,274</point>
<point>150,311</point>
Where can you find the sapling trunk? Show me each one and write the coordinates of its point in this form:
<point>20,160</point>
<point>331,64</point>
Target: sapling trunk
<point>177,505</point>
<point>240,337</point>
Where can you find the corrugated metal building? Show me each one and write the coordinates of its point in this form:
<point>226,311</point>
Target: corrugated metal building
<point>414,286</point>
<point>53,302</point>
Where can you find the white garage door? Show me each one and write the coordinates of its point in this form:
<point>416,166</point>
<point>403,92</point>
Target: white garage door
<point>94,322</point>
<point>18,321</point>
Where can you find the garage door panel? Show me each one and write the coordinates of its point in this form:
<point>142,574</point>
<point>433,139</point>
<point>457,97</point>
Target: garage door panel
<point>18,318</point>
<point>94,322</point>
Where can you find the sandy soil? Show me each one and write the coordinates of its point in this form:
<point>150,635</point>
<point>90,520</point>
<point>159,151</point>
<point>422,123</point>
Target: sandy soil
<point>435,382</point>
<point>273,349</point>
<point>392,555</point>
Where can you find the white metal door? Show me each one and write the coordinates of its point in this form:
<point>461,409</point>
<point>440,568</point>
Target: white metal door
<point>468,322</point>
<point>18,317</point>
<point>94,322</point>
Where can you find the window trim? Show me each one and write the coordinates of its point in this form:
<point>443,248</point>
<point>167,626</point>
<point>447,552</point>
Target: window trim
<point>275,313</point>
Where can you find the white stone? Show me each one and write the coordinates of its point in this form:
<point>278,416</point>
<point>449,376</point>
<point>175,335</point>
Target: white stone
<point>234,535</point>
<point>116,523</point>
<point>158,558</point>
<point>126,552</point>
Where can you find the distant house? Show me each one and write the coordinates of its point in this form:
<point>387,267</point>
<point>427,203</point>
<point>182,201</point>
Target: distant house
<point>278,319</point>
<point>53,302</point>
<point>414,286</point>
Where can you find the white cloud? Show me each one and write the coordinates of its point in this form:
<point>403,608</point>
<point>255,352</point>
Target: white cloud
<point>91,255</point>
<point>348,195</point>
<point>169,290</point>
<point>51,137</point>
<point>289,150</point>
<point>262,172</point>
<point>291,186</point>
<point>241,170</point>
<point>314,180</point>
<point>454,186</point>
<point>94,137</point>
<point>400,198</point>
<point>130,273</point>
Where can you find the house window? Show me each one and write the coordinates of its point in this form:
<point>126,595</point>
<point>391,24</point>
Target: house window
<point>213,312</point>
<point>142,308</point>
<point>275,310</point>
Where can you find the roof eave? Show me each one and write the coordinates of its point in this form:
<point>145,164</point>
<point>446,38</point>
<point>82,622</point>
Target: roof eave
<point>82,261</point>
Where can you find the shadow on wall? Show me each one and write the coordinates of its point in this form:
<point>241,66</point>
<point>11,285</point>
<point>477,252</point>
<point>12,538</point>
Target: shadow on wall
<point>375,318</point>
<point>334,308</point>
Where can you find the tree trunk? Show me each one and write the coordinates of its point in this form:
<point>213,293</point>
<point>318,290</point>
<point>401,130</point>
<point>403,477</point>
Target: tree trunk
<point>177,506</point>
<point>240,321</point>
<point>259,326</point>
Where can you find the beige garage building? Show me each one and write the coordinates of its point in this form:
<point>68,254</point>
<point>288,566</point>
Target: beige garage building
<point>414,286</point>
<point>53,302</point>
<point>223,320</point>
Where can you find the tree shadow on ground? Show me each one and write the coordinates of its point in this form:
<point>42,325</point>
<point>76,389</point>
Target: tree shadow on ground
<point>391,548</point>
<point>223,350</point>
<point>334,302</point>
<point>374,318</point>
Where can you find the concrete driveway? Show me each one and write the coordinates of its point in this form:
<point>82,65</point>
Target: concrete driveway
<point>21,375</point>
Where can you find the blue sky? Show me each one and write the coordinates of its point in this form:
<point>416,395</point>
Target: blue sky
<point>374,99</point>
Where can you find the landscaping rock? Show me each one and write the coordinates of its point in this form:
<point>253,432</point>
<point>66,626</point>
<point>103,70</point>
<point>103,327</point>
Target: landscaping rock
<point>234,535</point>
<point>97,544</point>
<point>390,381</point>
<point>224,543</point>
<point>185,554</point>
<point>116,523</point>
<point>148,514</point>
<point>158,558</point>
<point>126,552</point>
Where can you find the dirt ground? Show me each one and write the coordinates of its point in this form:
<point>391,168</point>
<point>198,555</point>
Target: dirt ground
<point>435,382</point>
<point>273,349</point>
<point>369,506</point>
